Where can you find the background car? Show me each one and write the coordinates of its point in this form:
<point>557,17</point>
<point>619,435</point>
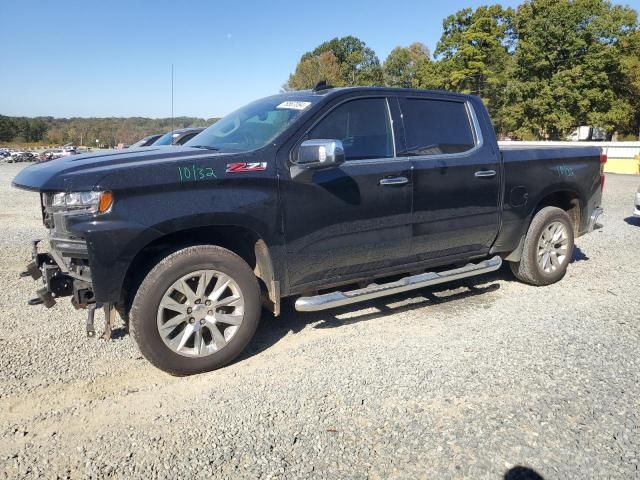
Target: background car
<point>69,148</point>
<point>18,156</point>
<point>27,157</point>
<point>55,153</point>
<point>177,137</point>
<point>636,211</point>
<point>146,141</point>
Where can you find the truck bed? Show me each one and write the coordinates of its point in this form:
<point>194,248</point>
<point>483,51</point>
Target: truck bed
<point>532,174</point>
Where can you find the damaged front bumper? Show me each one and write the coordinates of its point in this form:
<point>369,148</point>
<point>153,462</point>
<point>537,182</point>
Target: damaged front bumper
<point>64,272</point>
<point>61,278</point>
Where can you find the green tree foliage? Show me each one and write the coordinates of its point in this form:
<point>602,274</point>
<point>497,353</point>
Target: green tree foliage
<point>401,67</point>
<point>22,129</point>
<point>315,68</point>
<point>475,53</point>
<point>37,130</point>
<point>357,65</point>
<point>8,130</point>
<point>84,131</point>
<point>571,68</point>
<point>630,47</point>
<point>542,70</point>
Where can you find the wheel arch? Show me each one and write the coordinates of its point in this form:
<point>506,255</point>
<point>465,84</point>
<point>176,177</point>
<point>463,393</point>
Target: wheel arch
<point>565,198</point>
<point>241,240</point>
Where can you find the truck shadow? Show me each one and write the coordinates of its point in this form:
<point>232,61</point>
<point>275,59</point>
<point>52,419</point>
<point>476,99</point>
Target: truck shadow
<point>633,221</point>
<point>578,255</point>
<point>271,330</point>
<point>522,473</point>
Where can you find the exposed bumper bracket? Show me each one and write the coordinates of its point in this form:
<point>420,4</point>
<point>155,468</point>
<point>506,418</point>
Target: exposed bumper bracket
<point>32,271</point>
<point>91,312</point>
<point>45,295</point>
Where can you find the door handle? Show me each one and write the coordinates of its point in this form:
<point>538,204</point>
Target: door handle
<point>394,181</point>
<point>485,173</point>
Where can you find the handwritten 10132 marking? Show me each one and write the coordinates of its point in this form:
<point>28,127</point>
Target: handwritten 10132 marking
<point>195,173</point>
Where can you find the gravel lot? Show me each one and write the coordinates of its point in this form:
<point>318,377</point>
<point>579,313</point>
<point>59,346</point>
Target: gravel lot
<point>469,380</point>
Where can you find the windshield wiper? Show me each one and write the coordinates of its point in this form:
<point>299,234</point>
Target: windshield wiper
<point>205,146</point>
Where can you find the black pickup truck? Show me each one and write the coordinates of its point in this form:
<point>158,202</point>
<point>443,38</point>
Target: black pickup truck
<point>332,195</point>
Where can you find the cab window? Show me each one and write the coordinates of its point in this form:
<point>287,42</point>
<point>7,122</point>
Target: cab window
<point>362,125</point>
<point>436,127</point>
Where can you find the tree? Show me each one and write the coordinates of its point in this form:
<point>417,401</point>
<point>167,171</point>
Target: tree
<point>357,64</point>
<point>630,60</point>
<point>110,131</point>
<point>313,69</point>
<point>8,129</point>
<point>570,68</point>
<point>401,67</point>
<point>37,130</point>
<point>474,54</point>
<point>431,75</point>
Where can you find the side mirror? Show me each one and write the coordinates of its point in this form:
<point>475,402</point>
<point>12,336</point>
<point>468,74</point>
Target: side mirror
<point>320,153</point>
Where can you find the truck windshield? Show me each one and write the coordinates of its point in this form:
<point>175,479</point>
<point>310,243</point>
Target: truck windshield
<point>254,125</point>
<point>166,139</point>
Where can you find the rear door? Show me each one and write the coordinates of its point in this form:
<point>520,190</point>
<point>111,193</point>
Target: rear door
<point>346,220</point>
<point>456,178</point>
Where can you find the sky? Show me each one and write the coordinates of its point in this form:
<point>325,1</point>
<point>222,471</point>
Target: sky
<point>93,58</point>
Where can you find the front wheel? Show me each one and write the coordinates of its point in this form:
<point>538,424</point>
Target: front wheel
<point>548,248</point>
<point>196,310</point>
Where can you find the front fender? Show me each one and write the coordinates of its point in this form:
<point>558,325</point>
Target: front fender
<point>137,220</point>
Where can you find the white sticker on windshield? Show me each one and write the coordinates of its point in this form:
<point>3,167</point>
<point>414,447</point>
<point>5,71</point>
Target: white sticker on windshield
<point>294,105</point>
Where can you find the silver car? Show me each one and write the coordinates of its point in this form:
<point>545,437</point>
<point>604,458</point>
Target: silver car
<point>636,211</point>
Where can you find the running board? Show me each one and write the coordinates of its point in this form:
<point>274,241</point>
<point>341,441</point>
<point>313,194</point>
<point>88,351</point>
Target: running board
<point>338,299</point>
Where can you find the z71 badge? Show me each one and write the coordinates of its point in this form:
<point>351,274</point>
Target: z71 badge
<point>246,167</point>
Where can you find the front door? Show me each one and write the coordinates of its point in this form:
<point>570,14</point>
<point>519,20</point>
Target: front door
<point>344,221</point>
<point>456,179</point>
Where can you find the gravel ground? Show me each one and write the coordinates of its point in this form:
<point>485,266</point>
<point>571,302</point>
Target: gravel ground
<point>469,380</point>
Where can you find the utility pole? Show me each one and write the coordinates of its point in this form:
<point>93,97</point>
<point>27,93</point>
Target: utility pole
<point>172,97</point>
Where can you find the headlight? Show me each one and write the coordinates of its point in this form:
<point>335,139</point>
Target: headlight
<point>79,202</point>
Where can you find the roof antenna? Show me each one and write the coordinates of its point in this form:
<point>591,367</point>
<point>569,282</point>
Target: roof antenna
<point>322,85</point>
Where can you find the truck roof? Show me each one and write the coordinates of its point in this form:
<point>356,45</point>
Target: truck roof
<point>326,91</point>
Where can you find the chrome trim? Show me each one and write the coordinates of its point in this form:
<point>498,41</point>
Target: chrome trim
<point>475,125</point>
<point>394,181</point>
<point>471,117</point>
<point>390,123</point>
<point>366,161</point>
<point>338,299</point>
<point>332,150</point>
<point>594,218</point>
<point>485,173</point>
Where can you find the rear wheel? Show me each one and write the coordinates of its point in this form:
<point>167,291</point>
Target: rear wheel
<point>548,248</point>
<point>196,310</point>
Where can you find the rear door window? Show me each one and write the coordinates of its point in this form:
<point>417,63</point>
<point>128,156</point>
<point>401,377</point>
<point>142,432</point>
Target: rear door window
<point>436,127</point>
<point>362,125</point>
<point>186,138</point>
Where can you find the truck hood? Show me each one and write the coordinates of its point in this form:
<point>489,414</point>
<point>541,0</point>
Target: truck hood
<point>87,171</point>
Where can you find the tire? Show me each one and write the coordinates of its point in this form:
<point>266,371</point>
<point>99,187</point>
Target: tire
<point>529,269</point>
<point>148,310</point>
